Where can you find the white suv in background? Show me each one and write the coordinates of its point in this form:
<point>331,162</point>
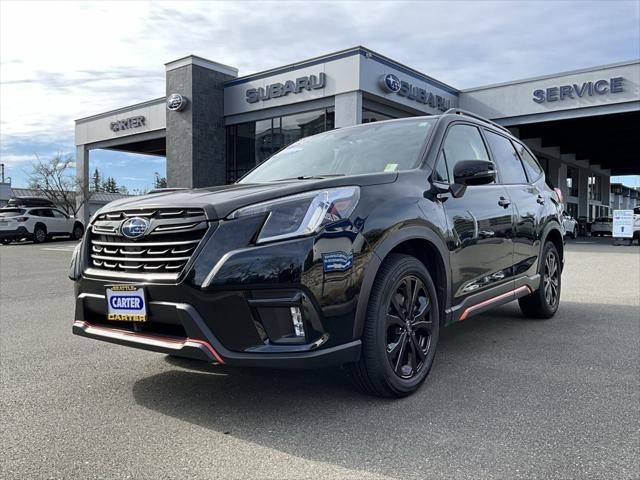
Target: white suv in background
<point>37,223</point>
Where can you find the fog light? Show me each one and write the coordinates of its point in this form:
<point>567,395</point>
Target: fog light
<point>296,318</point>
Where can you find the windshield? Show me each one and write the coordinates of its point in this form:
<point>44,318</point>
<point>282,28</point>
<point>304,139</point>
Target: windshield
<point>376,147</point>
<point>11,212</point>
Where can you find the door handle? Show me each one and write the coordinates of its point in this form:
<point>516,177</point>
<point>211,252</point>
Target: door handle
<point>540,199</point>
<point>503,202</point>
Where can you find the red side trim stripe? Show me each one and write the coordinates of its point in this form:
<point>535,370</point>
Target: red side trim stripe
<point>140,337</point>
<point>475,307</point>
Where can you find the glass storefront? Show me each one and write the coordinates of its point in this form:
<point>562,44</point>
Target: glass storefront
<point>253,142</point>
<point>369,116</point>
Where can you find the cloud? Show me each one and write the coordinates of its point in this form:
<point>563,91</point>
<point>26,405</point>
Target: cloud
<point>67,60</point>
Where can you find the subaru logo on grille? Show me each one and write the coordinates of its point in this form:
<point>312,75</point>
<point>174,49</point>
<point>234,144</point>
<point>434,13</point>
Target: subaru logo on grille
<point>134,227</point>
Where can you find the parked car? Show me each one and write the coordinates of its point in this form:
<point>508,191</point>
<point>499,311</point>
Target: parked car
<point>570,225</point>
<point>37,224</point>
<point>602,226</point>
<point>353,246</point>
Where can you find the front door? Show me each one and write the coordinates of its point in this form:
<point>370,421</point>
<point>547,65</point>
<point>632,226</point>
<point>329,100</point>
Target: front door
<point>481,220</point>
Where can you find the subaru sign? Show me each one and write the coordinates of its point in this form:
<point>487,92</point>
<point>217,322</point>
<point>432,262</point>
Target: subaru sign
<point>176,102</point>
<point>390,83</point>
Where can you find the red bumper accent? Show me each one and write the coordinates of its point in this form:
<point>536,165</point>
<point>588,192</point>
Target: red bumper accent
<point>168,343</point>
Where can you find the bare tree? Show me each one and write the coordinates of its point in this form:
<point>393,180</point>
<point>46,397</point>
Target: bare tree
<point>54,179</point>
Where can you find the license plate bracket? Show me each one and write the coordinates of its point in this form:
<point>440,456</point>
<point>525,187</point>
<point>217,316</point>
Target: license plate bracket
<point>126,303</point>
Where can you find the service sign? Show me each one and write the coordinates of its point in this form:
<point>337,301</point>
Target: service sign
<point>623,224</point>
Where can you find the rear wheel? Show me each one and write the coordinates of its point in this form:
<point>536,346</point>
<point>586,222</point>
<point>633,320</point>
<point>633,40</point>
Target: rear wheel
<point>39,234</point>
<point>544,302</point>
<point>401,330</point>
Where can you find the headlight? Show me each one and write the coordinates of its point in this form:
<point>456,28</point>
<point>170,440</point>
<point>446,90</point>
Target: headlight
<point>302,214</point>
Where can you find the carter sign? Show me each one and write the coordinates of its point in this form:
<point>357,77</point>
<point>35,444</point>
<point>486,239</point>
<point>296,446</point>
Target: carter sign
<point>127,123</point>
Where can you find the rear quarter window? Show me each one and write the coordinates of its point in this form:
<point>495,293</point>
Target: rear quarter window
<point>531,165</point>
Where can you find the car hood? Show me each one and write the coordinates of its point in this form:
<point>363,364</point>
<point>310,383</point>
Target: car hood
<point>220,201</point>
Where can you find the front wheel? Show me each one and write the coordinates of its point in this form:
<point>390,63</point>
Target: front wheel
<point>574,234</point>
<point>544,302</point>
<point>77,232</point>
<point>401,330</point>
<point>6,241</point>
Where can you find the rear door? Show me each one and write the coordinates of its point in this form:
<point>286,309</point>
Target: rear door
<point>527,200</point>
<point>63,223</point>
<point>481,220</point>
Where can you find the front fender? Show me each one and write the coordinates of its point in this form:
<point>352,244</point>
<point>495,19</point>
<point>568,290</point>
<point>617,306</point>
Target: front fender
<point>382,248</point>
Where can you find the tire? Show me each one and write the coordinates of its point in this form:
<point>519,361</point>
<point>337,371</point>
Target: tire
<point>77,232</point>
<point>544,302</point>
<point>6,241</point>
<point>39,234</point>
<point>391,337</point>
<point>574,234</point>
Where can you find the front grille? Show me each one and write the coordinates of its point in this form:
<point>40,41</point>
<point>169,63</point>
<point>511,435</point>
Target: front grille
<point>165,249</point>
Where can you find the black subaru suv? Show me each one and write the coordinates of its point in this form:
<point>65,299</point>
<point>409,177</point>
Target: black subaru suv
<point>353,247</point>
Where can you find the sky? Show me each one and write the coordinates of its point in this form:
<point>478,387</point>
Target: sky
<point>60,61</point>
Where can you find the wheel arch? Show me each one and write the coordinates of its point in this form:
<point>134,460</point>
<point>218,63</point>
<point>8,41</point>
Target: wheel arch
<point>553,233</point>
<point>40,224</point>
<point>77,223</point>
<point>420,242</point>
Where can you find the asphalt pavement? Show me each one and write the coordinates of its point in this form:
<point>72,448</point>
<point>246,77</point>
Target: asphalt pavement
<point>508,398</point>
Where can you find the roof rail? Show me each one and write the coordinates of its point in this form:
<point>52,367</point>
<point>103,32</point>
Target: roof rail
<point>459,111</point>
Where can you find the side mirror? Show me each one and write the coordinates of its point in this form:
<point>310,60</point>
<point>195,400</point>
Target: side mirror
<point>472,172</point>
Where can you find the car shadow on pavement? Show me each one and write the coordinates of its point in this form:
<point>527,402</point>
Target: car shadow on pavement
<point>495,376</point>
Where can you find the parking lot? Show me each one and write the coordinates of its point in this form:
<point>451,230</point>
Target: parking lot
<point>508,398</point>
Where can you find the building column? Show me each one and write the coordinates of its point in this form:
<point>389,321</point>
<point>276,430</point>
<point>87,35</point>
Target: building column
<point>348,109</point>
<point>82,183</point>
<point>196,136</point>
<point>583,193</point>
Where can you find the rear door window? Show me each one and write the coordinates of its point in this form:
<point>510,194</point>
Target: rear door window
<point>506,159</point>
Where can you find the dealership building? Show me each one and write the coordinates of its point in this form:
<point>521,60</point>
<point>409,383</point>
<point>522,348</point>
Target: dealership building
<point>213,125</point>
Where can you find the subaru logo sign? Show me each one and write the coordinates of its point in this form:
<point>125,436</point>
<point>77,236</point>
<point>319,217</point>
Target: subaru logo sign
<point>390,83</point>
<point>134,227</point>
<point>176,102</point>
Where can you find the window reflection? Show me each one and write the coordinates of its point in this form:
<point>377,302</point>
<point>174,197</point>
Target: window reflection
<point>253,142</point>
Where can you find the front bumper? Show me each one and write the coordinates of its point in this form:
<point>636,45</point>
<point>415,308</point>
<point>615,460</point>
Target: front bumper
<point>200,344</point>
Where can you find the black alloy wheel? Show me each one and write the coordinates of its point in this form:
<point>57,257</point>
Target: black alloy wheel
<point>409,327</point>
<point>401,329</point>
<point>544,302</point>
<point>551,279</point>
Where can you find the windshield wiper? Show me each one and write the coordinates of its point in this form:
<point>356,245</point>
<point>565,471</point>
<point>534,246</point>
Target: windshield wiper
<point>312,177</point>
